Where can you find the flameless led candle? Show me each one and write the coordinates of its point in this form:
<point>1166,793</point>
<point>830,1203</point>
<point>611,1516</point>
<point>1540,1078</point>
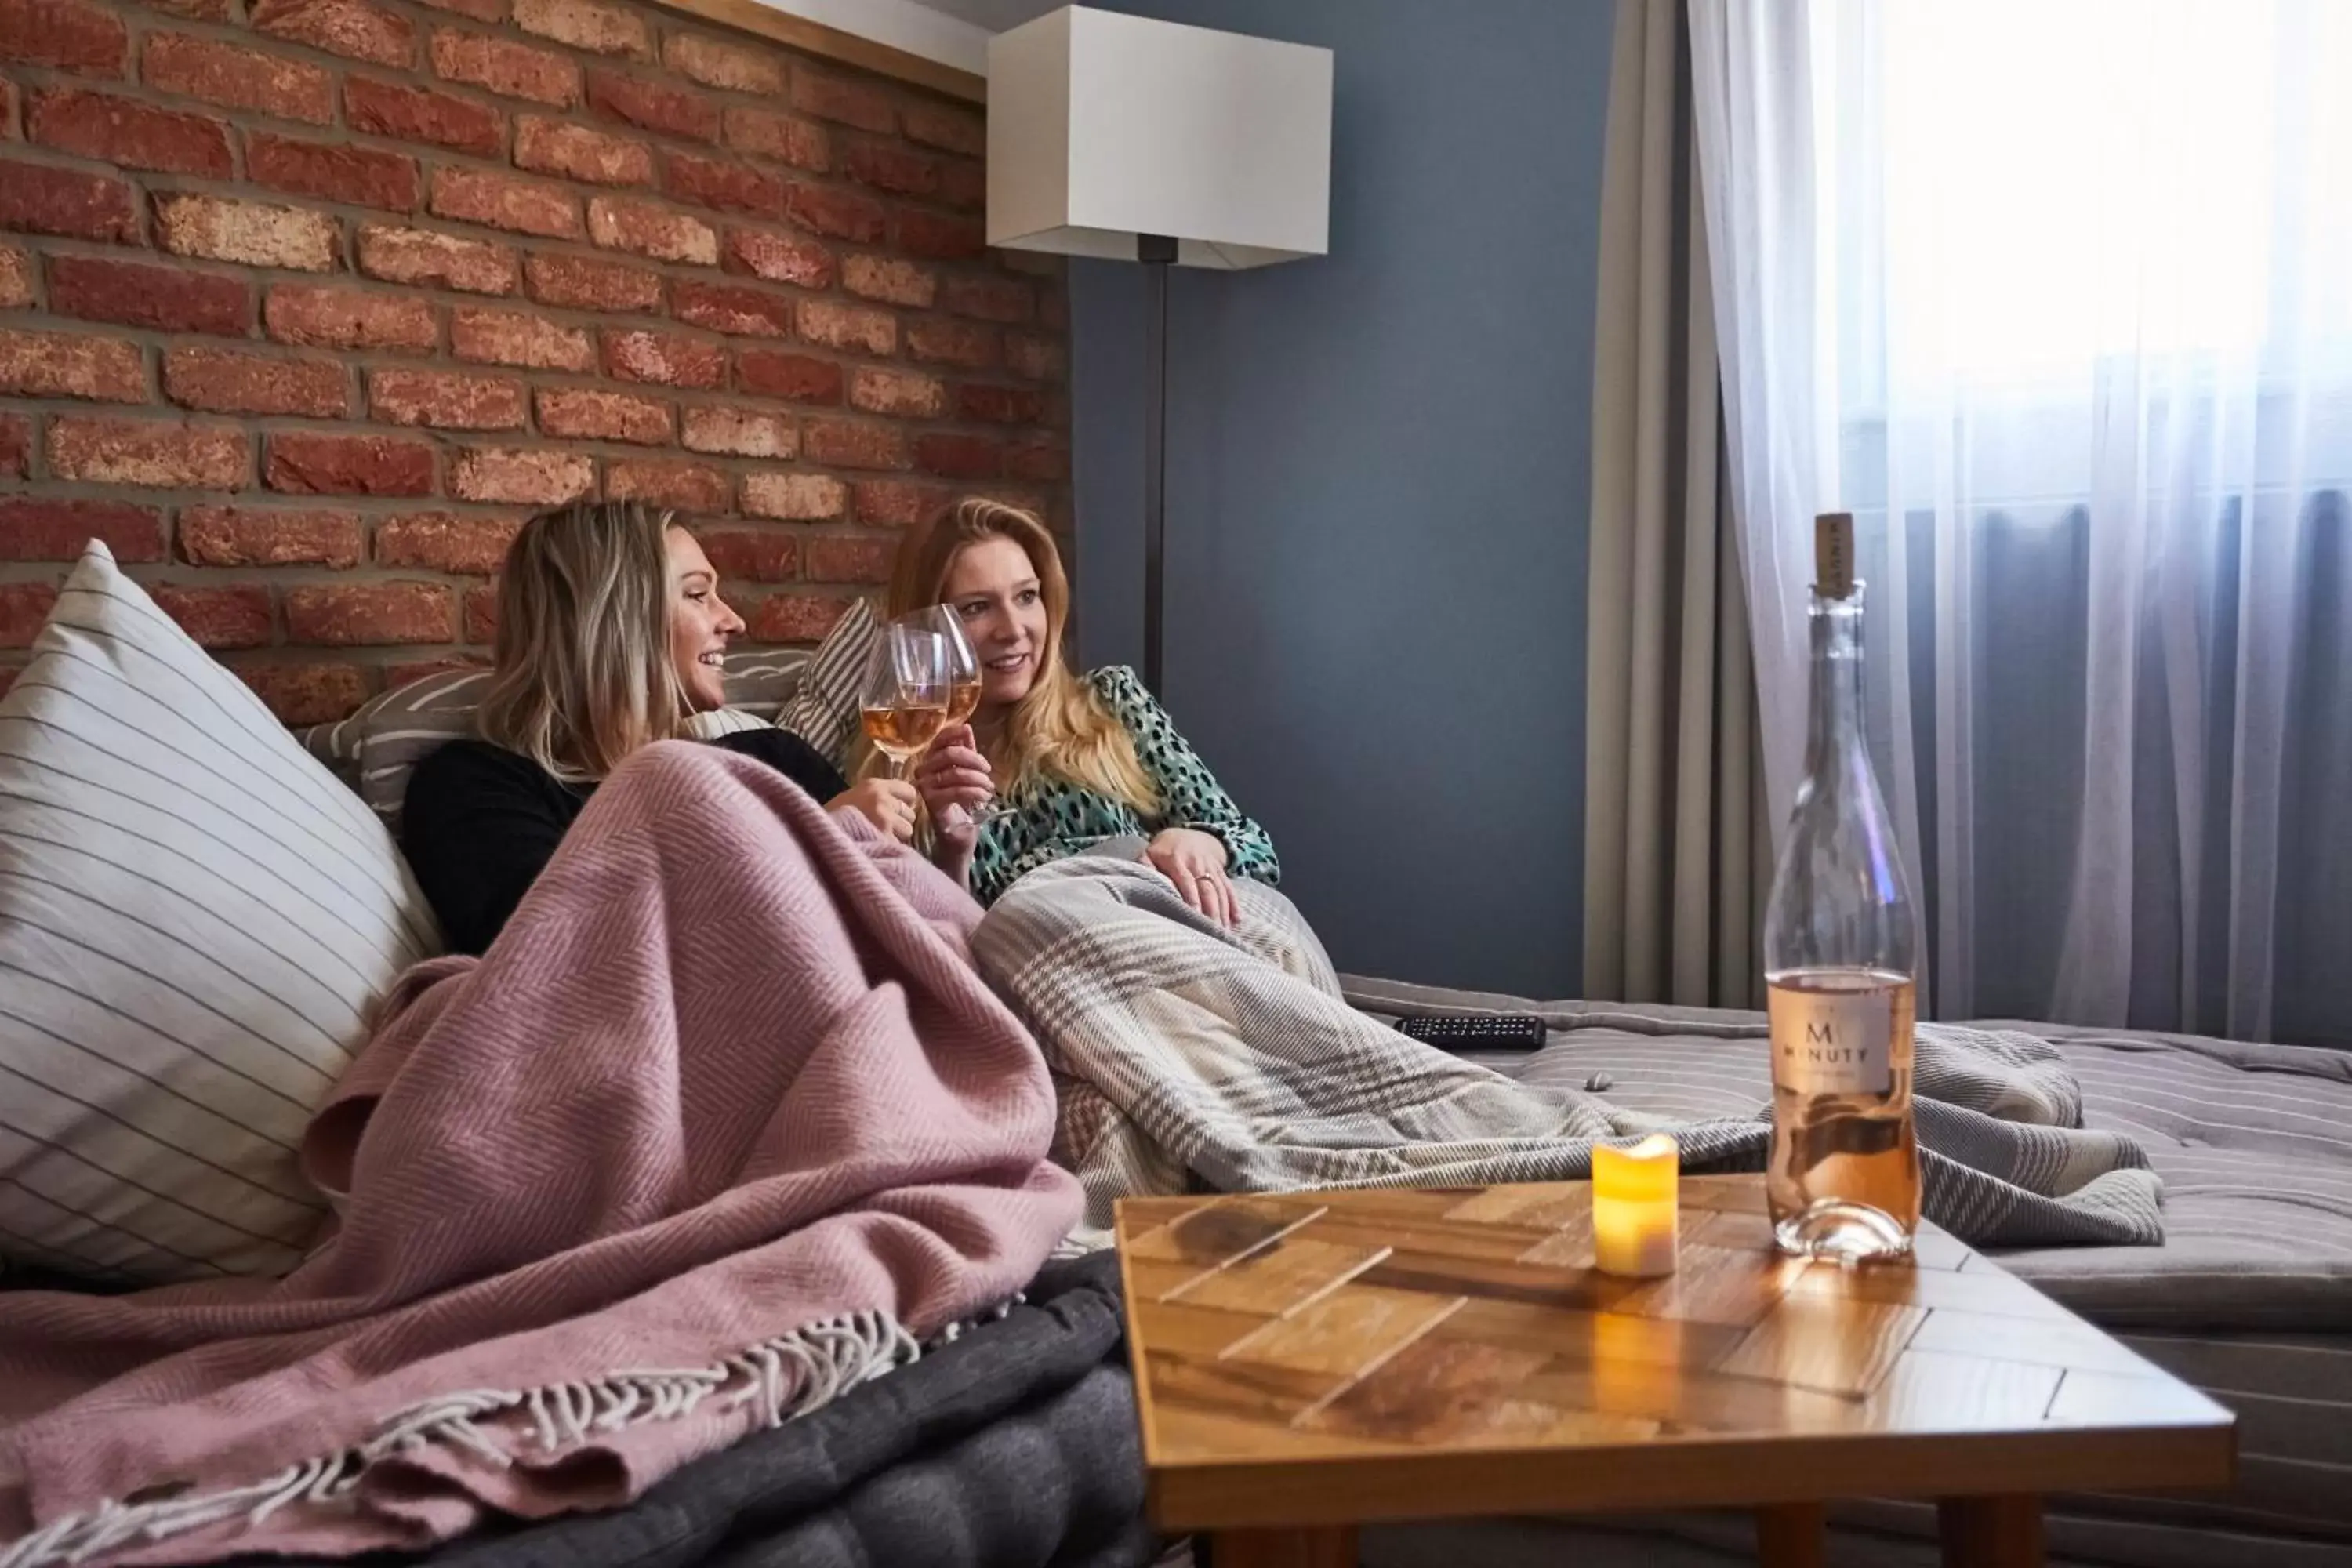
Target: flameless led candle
<point>1634,1213</point>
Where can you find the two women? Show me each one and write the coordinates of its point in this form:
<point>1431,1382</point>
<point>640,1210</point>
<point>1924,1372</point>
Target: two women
<point>611,633</point>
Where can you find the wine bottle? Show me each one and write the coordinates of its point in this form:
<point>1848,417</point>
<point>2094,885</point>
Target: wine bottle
<point>1843,1181</point>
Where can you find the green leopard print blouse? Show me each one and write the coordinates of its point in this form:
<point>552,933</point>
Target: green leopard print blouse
<point>1057,819</point>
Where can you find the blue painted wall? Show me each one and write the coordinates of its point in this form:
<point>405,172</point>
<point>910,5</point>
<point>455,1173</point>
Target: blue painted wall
<point>1378,489</point>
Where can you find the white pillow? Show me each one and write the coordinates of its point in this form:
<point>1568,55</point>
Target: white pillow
<point>195,921</point>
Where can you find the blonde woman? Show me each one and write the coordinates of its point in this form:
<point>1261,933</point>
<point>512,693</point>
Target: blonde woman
<point>610,634</point>
<point>1077,760</point>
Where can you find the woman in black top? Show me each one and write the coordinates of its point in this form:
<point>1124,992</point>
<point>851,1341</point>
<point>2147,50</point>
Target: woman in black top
<point>610,632</point>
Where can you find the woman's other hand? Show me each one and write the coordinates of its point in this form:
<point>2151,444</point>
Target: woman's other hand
<point>954,774</point>
<point>1195,862</point>
<point>890,804</point>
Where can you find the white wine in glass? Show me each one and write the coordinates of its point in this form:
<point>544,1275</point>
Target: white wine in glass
<point>907,685</point>
<point>964,682</point>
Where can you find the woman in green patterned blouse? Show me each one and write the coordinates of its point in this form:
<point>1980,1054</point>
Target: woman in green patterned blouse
<point>1077,760</point>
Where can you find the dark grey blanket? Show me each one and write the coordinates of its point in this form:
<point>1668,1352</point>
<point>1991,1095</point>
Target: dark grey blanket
<point>1015,1447</point>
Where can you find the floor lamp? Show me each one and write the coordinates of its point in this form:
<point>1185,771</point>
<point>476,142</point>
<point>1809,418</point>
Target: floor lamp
<point>1133,140</point>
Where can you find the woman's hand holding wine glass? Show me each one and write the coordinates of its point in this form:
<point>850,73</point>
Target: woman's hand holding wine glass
<point>954,777</point>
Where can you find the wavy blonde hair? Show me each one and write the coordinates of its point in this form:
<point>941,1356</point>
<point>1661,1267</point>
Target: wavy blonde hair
<point>1058,730</point>
<point>585,674</point>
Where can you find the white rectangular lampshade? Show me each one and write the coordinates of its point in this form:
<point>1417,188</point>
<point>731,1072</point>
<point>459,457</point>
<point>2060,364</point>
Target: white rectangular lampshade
<point>1102,127</point>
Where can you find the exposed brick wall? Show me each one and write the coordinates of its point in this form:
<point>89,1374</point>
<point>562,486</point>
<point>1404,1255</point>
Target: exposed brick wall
<point>304,304</point>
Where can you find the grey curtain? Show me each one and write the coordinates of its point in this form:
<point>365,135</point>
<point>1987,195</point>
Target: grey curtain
<point>1675,843</point>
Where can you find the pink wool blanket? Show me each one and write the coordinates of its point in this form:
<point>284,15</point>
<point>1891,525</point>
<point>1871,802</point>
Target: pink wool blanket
<point>724,1124</point>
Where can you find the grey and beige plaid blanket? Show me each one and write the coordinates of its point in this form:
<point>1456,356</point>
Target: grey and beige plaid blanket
<point>1190,1056</point>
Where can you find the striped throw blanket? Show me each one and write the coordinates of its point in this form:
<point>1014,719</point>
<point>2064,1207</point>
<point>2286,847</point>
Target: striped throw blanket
<point>1188,1056</point>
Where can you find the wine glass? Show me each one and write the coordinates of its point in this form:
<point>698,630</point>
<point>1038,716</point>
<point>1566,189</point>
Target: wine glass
<point>909,682</point>
<point>963,688</point>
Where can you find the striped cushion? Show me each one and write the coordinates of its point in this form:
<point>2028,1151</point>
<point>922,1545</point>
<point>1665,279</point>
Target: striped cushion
<point>195,920</point>
<point>823,711</point>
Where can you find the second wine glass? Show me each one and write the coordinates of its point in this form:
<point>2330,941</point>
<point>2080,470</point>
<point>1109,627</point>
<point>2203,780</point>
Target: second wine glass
<point>963,686</point>
<point>909,683</point>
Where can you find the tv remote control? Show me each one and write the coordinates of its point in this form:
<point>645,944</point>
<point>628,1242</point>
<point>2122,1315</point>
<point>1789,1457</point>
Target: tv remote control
<point>1476,1031</point>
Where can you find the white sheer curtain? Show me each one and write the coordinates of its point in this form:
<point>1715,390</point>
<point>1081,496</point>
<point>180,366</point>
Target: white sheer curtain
<point>2056,296</point>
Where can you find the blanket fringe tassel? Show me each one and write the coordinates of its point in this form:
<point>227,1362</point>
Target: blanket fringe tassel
<point>778,1379</point>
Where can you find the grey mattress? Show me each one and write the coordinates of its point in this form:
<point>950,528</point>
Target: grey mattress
<point>2250,1298</point>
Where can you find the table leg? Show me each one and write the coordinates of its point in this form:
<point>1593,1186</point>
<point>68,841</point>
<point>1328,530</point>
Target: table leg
<point>1330,1547</point>
<point>1990,1531</point>
<point>1792,1534</point>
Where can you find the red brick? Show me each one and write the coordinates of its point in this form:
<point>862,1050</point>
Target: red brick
<point>508,69</point>
<point>1054,310</point>
<point>324,316</point>
<point>353,28</point>
<point>163,454</point>
<point>779,259</point>
<point>989,299</point>
<point>999,404</point>
<point>501,201</point>
<point>740,433</point>
<point>236,77</point>
<point>254,536</point>
<point>749,556</point>
<point>960,457</point>
<point>663,359</point>
<point>839,212</point>
<point>303,694</point>
<point>63,34</point>
<point>218,617</point>
<point>253,233</point>
<point>320,462</point>
<point>794,378</point>
<point>897,503</point>
<point>521,477</point>
<point>894,169</point>
<point>224,11</point>
<point>939,237</point>
<point>734,67</point>
<point>796,617</point>
<point>731,308</point>
<point>7,133</point>
<point>15,445</point>
<point>688,487</point>
<point>652,106</point>
<point>1035,358</point>
<point>423,114</point>
<point>66,202</point>
<point>585,25</point>
<point>489,12</point>
<point>445,400</point>
<point>15,277</point>
<point>963,186</point>
<point>481,615</point>
<point>420,256</point>
<point>23,608</point>
<point>891,279</point>
<point>851,560</point>
<point>616,223</point>
<point>103,369</point>
<point>138,294</point>
<point>579,283</point>
<point>724,186</point>
<point>859,328</point>
<point>853,444</point>
<point>362,176</point>
<point>901,394</point>
<point>348,614</point>
<point>797,498</point>
<point>830,97</point>
<point>519,338</point>
<point>230,381</point>
<point>953,342</point>
<point>576,152</point>
<point>948,130</point>
<point>40,528</point>
<point>586,413</point>
<point>122,130</point>
<point>443,541</point>
<point>786,138</point>
<point>1043,459</point>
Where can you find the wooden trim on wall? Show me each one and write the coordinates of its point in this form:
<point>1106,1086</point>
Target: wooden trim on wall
<point>816,39</point>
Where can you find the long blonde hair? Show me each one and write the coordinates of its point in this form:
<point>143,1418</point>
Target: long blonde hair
<point>585,674</point>
<point>1058,730</point>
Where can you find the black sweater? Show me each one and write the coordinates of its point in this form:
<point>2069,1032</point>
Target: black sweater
<point>480,823</point>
